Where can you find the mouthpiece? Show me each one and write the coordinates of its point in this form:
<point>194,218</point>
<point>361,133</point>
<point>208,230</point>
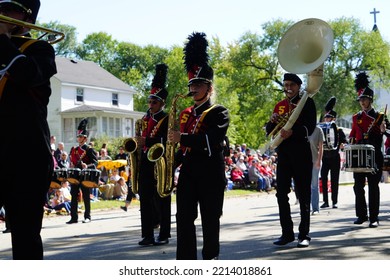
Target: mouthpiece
<point>191,93</point>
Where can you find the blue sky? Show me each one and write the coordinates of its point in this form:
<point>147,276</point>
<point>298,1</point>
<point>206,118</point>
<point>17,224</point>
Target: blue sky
<point>169,22</point>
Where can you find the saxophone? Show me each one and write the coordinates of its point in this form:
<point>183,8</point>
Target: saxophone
<point>131,146</point>
<point>164,158</point>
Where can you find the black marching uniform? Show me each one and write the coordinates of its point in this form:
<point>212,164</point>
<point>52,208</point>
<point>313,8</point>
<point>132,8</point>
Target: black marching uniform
<point>87,155</point>
<point>361,134</point>
<point>24,96</point>
<point>331,162</point>
<point>155,131</point>
<point>295,162</point>
<point>366,129</point>
<point>202,178</point>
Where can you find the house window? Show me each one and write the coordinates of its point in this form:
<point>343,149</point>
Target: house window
<point>112,126</point>
<point>115,100</point>
<point>80,95</point>
<point>68,133</point>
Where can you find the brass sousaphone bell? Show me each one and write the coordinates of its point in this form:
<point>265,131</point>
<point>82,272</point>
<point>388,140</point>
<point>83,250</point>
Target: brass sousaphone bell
<point>303,50</point>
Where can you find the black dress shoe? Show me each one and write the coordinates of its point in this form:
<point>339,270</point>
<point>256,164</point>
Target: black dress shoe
<point>302,243</point>
<point>72,222</point>
<point>7,230</point>
<point>161,241</point>
<point>359,221</point>
<point>325,205</point>
<point>283,240</point>
<point>371,225</point>
<point>146,241</point>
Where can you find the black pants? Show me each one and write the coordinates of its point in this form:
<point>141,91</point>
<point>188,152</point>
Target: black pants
<point>292,165</point>
<point>74,191</point>
<point>205,188</point>
<point>373,195</point>
<point>154,209</point>
<point>24,202</point>
<point>331,164</point>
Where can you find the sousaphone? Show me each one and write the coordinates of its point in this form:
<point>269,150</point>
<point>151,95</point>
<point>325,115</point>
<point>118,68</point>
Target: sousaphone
<point>303,50</point>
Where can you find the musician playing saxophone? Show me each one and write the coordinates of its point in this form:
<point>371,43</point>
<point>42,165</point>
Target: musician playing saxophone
<point>368,127</point>
<point>202,178</point>
<point>154,209</point>
<point>294,161</point>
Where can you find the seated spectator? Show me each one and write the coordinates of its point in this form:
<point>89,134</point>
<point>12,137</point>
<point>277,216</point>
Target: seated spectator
<point>255,175</point>
<point>120,189</point>
<point>229,184</point>
<point>63,162</point>
<point>267,175</point>
<point>61,199</point>
<point>107,189</point>
<point>237,176</point>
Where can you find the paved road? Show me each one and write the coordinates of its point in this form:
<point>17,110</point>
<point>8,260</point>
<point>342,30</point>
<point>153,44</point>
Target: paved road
<point>249,225</point>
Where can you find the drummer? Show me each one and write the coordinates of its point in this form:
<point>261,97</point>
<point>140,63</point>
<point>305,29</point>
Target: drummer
<point>82,156</point>
<point>367,128</point>
<point>331,159</point>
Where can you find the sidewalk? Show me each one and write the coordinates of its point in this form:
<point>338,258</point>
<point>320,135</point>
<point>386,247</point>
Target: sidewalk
<point>248,227</point>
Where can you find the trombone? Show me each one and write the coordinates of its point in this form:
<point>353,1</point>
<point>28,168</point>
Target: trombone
<point>53,36</point>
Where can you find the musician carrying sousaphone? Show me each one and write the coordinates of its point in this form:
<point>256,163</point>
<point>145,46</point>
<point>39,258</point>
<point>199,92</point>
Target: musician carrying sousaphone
<point>335,138</point>
<point>367,129</point>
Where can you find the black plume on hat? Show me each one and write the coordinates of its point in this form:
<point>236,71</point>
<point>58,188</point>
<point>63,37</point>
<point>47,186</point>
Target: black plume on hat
<point>361,86</point>
<point>82,128</point>
<point>329,113</point>
<point>158,84</point>
<point>196,59</point>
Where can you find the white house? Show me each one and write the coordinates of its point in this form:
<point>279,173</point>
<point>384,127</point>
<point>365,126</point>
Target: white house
<point>82,89</point>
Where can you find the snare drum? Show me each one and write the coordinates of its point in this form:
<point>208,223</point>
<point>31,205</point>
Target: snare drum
<point>360,158</point>
<point>386,163</point>
<point>57,178</point>
<point>73,175</point>
<point>90,178</point>
<point>330,135</point>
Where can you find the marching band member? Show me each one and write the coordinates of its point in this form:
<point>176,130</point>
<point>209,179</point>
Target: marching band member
<point>331,159</point>
<point>82,156</point>
<point>292,165</point>
<point>203,128</point>
<point>26,68</point>
<point>155,124</point>
<point>367,128</point>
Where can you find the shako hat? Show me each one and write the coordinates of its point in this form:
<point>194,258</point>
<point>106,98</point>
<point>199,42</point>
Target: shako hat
<point>31,7</point>
<point>82,128</point>
<point>158,90</point>
<point>329,113</point>
<point>196,59</point>
<point>361,86</point>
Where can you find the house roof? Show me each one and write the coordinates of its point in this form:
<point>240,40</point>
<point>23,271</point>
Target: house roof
<point>89,108</point>
<point>88,73</point>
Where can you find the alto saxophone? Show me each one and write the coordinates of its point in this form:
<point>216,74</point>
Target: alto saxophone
<point>131,147</point>
<point>164,157</point>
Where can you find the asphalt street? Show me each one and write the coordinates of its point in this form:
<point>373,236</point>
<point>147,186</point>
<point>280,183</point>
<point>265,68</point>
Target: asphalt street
<point>248,227</point>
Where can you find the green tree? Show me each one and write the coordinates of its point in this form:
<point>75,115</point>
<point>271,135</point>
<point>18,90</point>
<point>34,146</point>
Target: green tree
<point>98,47</point>
<point>66,47</point>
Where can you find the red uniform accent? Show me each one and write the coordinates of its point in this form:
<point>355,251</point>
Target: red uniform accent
<point>361,122</point>
<point>284,107</point>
